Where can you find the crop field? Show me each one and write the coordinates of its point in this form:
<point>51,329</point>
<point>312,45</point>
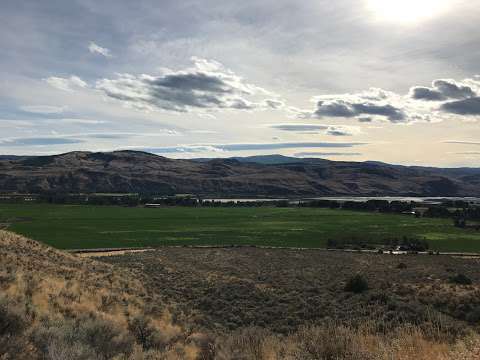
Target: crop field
<point>79,227</point>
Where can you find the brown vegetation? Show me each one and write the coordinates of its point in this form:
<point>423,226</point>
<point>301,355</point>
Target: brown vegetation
<point>282,289</point>
<point>208,304</point>
<point>55,305</point>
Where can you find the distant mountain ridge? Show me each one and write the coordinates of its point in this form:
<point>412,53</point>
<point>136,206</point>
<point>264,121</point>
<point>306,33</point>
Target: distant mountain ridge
<point>271,175</point>
<point>274,159</point>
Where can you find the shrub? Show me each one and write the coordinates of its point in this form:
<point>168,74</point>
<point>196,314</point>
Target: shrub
<point>474,316</point>
<point>105,338</point>
<point>145,334</point>
<point>461,279</point>
<point>327,342</point>
<point>11,322</point>
<point>401,265</point>
<point>357,284</point>
<point>88,339</point>
<point>61,350</point>
<point>12,325</point>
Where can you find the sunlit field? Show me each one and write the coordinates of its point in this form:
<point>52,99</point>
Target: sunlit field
<point>79,227</point>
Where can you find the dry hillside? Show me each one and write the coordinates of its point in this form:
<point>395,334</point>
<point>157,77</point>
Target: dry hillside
<point>139,172</point>
<point>54,305</point>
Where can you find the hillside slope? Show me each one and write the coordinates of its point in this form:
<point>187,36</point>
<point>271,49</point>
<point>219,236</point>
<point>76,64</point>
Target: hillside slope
<point>54,305</point>
<point>139,172</point>
<point>57,306</point>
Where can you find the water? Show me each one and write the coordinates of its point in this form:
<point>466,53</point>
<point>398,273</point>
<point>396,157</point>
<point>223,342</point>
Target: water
<point>244,200</point>
<point>423,200</point>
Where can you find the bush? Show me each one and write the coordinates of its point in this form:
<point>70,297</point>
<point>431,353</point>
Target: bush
<point>474,316</point>
<point>461,279</point>
<point>145,334</point>
<point>105,338</point>
<point>12,326</point>
<point>11,322</point>
<point>87,339</point>
<point>401,266</point>
<point>357,284</point>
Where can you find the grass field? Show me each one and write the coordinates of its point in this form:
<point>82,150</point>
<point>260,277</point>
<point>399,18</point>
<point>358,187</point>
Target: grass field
<point>70,227</point>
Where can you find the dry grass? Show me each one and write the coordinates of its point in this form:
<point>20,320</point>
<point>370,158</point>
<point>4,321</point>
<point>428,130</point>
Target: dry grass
<point>335,342</point>
<point>48,287</point>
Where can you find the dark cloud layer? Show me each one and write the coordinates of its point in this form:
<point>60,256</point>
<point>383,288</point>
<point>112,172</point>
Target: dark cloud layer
<point>344,108</point>
<point>442,90</point>
<point>333,130</point>
<point>469,106</point>
<point>207,85</point>
<point>460,98</point>
<point>299,127</point>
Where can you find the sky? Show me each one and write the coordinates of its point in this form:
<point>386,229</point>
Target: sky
<point>353,80</point>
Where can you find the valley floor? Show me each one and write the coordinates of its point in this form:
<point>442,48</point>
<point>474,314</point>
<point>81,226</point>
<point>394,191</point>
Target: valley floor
<point>81,227</point>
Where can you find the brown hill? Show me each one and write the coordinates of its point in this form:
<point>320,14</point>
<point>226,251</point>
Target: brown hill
<point>57,306</point>
<point>140,172</point>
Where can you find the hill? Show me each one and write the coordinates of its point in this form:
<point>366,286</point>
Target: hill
<point>201,304</point>
<point>54,305</point>
<point>140,172</point>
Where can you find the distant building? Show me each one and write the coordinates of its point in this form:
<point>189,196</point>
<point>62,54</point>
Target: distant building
<point>153,205</point>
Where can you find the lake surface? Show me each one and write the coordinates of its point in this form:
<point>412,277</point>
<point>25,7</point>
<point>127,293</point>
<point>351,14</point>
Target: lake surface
<point>424,200</point>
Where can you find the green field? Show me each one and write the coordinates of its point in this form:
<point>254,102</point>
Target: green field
<point>72,227</point>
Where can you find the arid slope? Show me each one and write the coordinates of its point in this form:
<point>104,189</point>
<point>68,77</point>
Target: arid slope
<point>139,172</point>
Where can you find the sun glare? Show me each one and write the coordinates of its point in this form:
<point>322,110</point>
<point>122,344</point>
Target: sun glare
<point>406,11</point>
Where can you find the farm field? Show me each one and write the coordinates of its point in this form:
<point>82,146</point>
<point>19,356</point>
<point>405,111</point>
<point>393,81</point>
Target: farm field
<point>79,227</point>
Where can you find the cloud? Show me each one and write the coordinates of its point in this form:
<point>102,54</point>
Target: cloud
<point>470,106</point>
<point>416,106</point>
<point>97,49</point>
<point>39,141</point>
<point>338,132</point>
<point>106,136</point>
<point>274,104</point>
<point>468,153</point>
<point>424,93</point>
<point>365,119</point>
<point>315,153</point>
<point>275,146</point>
<point>66,84</point>
<point>334,130</point>
<point>124,135</point>
<point>462,142</point>
<point>299,127</point>
<point>82,121</point>
<point>342,108</point>
<point>442,90</point>
<point>247,147</point>
<point>205,86</point>
<point>43,109</point>
<point>373,102</point>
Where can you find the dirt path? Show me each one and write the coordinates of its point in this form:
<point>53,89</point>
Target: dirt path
<point>107,252</point>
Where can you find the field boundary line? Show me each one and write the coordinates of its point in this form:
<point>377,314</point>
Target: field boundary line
<point>364,251</point>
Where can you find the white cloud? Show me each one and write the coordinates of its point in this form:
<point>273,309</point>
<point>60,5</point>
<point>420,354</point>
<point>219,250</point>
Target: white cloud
<point>97,49</point>
<point>66,84</point>
<point>43,109</point>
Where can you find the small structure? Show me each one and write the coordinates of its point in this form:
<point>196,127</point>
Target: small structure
<point>153,206</point>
